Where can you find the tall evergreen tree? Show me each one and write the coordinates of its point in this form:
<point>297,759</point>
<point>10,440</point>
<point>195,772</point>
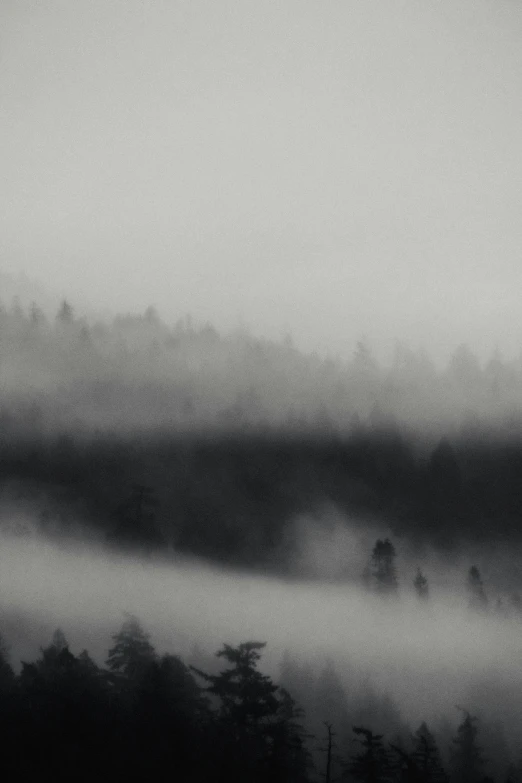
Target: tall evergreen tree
<point>373,763</point>
<point>383,564</point>
<point>136,521</point>
<point>329,751</point>
<point>257,724</point>
<point>420,584</point>
<point>65,314</point>
<point>426,756</point>
<point>467,762</point>
<point>132,651</point>
<point>477,595</point>
<point>7,676</point>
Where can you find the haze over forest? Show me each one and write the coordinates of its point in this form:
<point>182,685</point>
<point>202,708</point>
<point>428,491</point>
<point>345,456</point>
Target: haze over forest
<point>336,173</point>
<point>261,391</point>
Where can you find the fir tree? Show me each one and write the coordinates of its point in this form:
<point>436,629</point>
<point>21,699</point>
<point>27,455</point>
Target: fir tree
<point>373,763</point>
<point>383,564</point>
<point>467,761</point>
<point>132,651</point>
<point>258,727</point>
<point>421,585</point>
<point>65,314</point>
<point>426,756</point>
<point>477,595</point>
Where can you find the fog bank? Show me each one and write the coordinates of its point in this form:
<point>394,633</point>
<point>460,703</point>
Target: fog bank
<point>428,658</point>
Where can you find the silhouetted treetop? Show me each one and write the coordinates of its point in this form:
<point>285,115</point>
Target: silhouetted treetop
<point>383,567</point>
<point>132,651</point>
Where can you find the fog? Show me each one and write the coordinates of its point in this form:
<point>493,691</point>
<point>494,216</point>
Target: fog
<point>428,658</point>
<point>62,371</point>
<point>331,171</point>
<point>260,310</point>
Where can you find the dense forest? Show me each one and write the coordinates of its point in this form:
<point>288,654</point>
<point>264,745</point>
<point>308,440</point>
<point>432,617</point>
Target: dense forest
<point>180,438</point>
<point>177,444</point>
<point>135,373</point>
<point>143,715</point>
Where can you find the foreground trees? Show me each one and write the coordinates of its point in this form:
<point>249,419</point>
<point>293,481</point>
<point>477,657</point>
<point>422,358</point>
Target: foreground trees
<point>146,716</point>
<point>372,764</point>
<point>467,759</point>
<point>257,723</point>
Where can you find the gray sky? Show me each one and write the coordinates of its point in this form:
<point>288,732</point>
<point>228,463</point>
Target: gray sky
<point>334,168</point>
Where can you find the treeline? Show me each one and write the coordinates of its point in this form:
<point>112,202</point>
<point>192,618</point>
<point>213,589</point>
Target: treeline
<point>137,373</point>
<point>380,577</point>
<point>233,499</point>
<point>145,716</point>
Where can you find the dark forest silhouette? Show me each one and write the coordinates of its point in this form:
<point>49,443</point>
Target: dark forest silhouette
<point>156,439</point>
<point>149,716</point>
<point>231,436</point>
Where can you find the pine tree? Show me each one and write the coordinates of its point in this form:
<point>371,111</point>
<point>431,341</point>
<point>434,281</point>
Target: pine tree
<point>65,314</point>
<point>59,642</point>
<point>467,761</point>
<point>259,733</point>
<point>383,563</point>
<point>136,521</point>
<point>289,759</point>
<point>246,695</point>
<point>421,585</point>
<point>328,750</point>
<point>477,595</point>
<point>132,651</point>
<point>7,677</point>
<point>373,763</point>
<point>426,756</point>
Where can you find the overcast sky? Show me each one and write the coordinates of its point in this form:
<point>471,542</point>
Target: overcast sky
<point>333,168</point>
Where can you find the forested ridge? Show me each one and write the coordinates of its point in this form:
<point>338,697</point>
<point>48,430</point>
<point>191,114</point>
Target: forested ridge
<point>232,437</point>
<point>232,499</point>
<point>177,444</point>
<point>136,373</point>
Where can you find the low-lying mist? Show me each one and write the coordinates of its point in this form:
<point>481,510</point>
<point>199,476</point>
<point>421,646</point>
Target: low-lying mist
<point>428,657</point>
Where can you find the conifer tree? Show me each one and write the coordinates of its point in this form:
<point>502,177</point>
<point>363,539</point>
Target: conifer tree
<point>477,595</point>
<point>467,761</point>
<point>132,651</point>
<point>136,521</point>
<point>328,750</point>
<point>7,677</point>
<point>373,763</point>
<point>383,565</point>
<point>65,314</point>
<point>421,585</point>
<point>257,722</point>
<point>426,756</point>
<point>246,695</point>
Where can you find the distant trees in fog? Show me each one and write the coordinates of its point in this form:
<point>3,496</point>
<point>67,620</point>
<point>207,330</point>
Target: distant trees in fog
<point>426,756</point>
<point>372,763</point>
<point>467,760</point>
<point>384,572</point>
<point>160,437</point>
<point>135,521</point>
<point>420,584</point>
<point>132,652</point>
<point>138,372</point>
<point>477,595</point>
